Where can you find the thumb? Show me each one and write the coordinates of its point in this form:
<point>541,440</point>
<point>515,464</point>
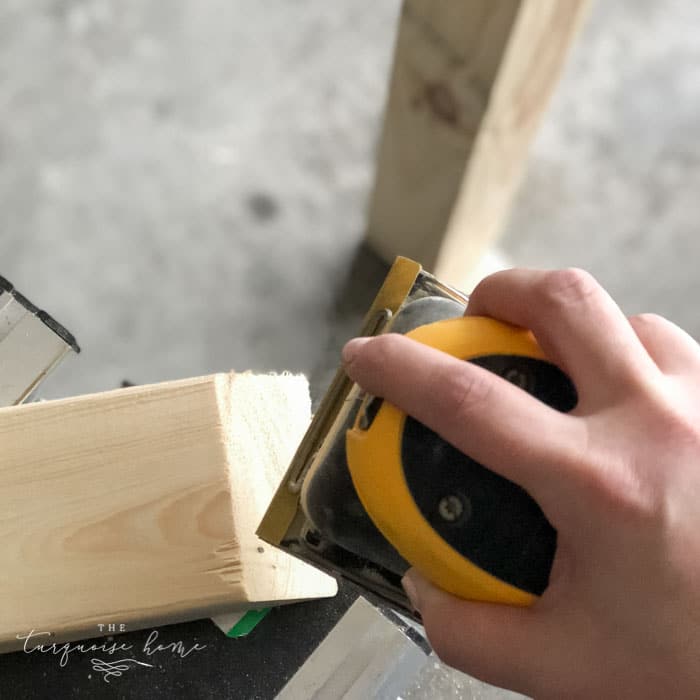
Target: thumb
<point>499,644</point>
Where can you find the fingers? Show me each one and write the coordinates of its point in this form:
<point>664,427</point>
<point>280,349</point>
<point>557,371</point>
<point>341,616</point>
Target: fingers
<point>671,348</point>
<point>499,644</point>
<point>575,321</point>
<point>481,414</point>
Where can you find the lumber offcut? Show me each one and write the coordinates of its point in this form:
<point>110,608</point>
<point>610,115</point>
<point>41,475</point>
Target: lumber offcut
<point>470,81</point>
<point>139,506</point>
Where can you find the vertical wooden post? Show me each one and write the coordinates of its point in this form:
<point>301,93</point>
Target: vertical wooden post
<point>470,81</point>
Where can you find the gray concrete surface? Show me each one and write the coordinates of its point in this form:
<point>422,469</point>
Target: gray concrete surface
<point>184,184</point>
<point>184,187</point>
<point>614,172</point>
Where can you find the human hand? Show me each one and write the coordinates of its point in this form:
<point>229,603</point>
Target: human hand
<point>618,477</point>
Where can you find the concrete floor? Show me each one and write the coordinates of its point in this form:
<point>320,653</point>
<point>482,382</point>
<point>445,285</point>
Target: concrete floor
<point>614,172</point>
<point>185,188</point>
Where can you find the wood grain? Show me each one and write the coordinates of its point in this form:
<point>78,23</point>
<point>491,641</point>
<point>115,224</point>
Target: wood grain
<point>470,81</point>
<point>139,506</point>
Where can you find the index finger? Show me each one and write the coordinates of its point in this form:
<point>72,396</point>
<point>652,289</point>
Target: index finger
<point>486,417</point>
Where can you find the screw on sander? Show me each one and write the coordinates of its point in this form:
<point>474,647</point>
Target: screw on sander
<point>32,344</point>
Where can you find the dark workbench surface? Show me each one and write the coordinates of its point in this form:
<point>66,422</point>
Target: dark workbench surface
<point>252,667</point>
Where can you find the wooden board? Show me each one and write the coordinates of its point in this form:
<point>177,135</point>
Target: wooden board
<point>139,506</point>
<point>470,81</point>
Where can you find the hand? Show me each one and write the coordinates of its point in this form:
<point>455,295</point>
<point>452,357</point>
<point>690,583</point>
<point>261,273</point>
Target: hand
<point>619,478</point>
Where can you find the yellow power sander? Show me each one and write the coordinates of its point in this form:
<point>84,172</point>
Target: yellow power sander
<point>371,491</point>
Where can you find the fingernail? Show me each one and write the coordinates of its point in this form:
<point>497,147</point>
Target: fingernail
<point>352,347</point>
<point>410,587</point>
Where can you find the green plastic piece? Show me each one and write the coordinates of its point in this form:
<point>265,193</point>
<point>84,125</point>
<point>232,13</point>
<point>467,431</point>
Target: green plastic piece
<point>247,622</point>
